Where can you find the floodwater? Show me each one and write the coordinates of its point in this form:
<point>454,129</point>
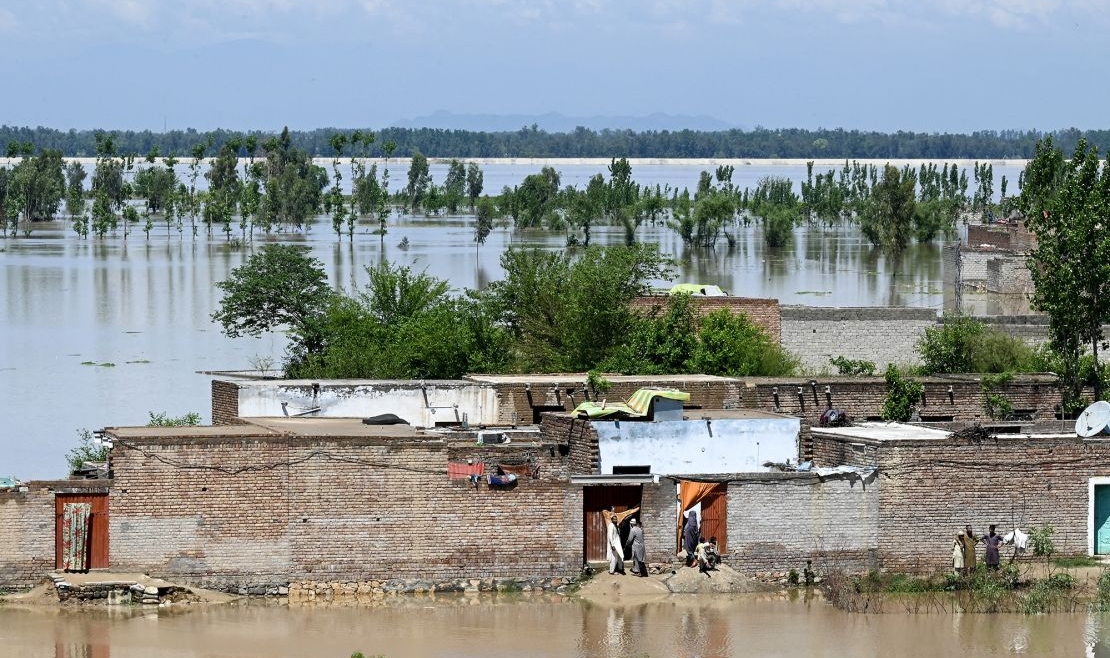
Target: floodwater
<point>99,332</point>
<point>524,627</point>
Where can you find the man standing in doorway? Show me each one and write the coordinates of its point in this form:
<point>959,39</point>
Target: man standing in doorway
<point>690,537</point>
<point>613,549</point>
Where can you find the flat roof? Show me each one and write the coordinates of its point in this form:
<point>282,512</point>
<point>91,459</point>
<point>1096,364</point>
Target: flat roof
<point>189,431</point>
<point>560,378</point>
<point>305,426</point>
<point>884,432</point>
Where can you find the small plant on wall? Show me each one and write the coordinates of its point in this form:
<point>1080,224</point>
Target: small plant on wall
<point>902,395</point>
<point>996,405</point>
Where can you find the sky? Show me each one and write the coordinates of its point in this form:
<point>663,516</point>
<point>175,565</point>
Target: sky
<point>922,65</point>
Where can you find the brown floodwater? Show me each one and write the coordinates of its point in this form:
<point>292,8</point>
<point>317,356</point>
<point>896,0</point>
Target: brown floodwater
<point>519,626</point>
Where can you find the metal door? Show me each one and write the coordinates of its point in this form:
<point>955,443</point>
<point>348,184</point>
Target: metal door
<point>714,517</point>
<point>1102,519</point>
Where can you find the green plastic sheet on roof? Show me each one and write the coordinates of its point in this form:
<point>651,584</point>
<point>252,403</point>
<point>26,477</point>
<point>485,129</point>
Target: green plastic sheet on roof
<point>637,406</point>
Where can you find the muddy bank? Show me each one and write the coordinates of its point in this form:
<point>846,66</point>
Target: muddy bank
<point>608,588</point>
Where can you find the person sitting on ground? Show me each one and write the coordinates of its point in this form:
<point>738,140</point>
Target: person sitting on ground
<point>701,555</point>
<point>712,554</point>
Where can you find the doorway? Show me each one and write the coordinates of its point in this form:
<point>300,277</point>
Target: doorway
<point>596,500</point>
<point>80,531</point>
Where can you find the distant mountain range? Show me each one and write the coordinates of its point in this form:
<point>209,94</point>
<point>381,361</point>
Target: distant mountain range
<point>553,122</point>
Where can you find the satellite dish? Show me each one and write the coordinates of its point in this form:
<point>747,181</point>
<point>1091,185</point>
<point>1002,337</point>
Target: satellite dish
<point>1093,420</point>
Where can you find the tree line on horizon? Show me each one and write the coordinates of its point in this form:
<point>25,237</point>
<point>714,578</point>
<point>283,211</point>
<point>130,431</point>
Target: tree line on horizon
<point>533,142</point>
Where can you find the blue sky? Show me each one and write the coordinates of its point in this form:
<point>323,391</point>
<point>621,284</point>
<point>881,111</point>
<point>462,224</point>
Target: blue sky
<point>927,65</point>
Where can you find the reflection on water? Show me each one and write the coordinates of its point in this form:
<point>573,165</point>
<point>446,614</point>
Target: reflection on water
<point>490,627</point>
<point>102,331</point>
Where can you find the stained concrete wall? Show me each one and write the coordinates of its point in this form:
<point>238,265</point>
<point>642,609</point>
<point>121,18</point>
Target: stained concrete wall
<point>722,445</point>
<point>434,402</point>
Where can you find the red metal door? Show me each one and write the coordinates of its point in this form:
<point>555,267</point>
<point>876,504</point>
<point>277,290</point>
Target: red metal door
<point>98,527</point>
<point>595,502</point>
<point>714,517</point>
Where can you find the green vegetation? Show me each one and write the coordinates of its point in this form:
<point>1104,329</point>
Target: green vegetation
<point>995,405</point>
<point>902,395</point>
<point>1064,202</point>
<point>963,344</point>
<point>404,324</point>
<point>162,419</point>
<point>88,449</point>
<point>853,367</point>
<point>584,142</point>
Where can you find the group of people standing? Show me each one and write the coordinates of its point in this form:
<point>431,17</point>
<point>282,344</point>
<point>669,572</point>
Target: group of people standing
<point>964,547</point>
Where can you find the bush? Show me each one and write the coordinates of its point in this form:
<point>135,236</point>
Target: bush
<point>963,344</point>
<point>853,367</point>
<point>902,395</point>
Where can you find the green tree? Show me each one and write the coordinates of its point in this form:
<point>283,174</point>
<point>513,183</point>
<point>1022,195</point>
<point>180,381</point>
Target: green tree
<point>420,178</point>
<point>162,419</point>
<point>474,183</point>
<point>575,325</point>
<point>224,186</point>
<point>454,186</point>
<point>1065,203</point>
<point>887,217</point>
<point>536,196</point>
<point>292,185</point>
<point>483,222</point>
<point>280,286</point>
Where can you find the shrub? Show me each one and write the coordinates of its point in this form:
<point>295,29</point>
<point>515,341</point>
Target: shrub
<point>902,395</point>
<point>853,367</point>
<point>963,344</point>
<point>1041,540</point>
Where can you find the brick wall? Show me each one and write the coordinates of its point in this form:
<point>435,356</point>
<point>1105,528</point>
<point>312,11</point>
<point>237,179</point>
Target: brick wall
<point>26,535</point>
<point>930,489</point>
<point>27,524</point>
<point>260,511</point>
<point>881,335</point>
<point>225,402</point>
<point>1009,275</point>
<point>995,236</point>
<point>659,514</point>
<point>862,397</point>
<point>777,521</point>
<point>580,439</point>
<point>762,312</point>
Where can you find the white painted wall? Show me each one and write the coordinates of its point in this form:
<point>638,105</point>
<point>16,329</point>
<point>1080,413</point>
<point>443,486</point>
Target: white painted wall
<point>691,447</point>
<point>442,403</point>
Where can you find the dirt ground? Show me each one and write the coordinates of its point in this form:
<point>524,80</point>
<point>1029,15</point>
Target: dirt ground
<point>46,593</point>
<point>607,588</point>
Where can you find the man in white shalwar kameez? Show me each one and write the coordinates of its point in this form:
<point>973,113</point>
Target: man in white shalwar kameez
<point>613,549</point>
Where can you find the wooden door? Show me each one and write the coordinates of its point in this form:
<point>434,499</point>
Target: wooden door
<point>714,517</point>
<point>97,548</point>
<point>595,525</point>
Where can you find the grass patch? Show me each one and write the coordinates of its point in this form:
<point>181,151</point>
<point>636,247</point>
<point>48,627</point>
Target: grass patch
<point>140,361</point>
<point>106,364</point>
<point>1077,562</point>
